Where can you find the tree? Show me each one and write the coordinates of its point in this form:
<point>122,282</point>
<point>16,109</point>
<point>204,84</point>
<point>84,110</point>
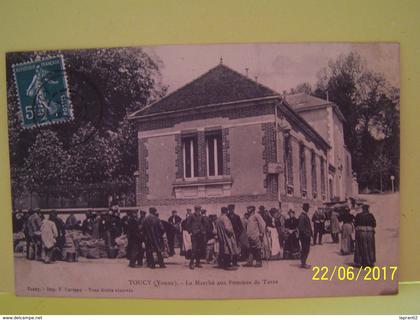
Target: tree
<point>382,166</point>
<point>106,85</point>
<point>341,80</point>
<point>304,87</point>
<point>46,167</point>
<point>370,105</point>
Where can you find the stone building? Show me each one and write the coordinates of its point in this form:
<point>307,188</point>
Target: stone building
<point>327,119</point>
<point>224,138</point>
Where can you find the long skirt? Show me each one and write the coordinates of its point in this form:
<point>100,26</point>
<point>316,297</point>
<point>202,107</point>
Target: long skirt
<point>364,253</point>
<point>186,245</point>
<point>346,239</point>
<point>275,244</point>
<point>266,246</point>
<point>291,246</point>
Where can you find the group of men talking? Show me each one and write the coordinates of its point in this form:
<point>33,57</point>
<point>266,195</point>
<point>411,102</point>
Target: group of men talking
<point>225,239</point>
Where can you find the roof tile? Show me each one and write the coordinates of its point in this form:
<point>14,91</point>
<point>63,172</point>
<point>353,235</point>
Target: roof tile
<point>219,85</point>
<point>302,100</point>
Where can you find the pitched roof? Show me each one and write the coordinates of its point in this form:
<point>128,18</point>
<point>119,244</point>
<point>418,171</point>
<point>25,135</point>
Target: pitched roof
<point>219,85</point>
<point>302,101</point>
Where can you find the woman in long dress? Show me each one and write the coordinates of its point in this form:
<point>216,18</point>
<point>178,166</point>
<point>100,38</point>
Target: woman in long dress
<point>291,238</point>
<point>347,231</point>
<point>274,228</point>
<point>266,241</point>
<point>186,245</point>
<point>365,251</point>
<point>335,226</point>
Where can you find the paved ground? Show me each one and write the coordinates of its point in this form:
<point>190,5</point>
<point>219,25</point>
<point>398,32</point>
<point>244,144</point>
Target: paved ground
<point>112,278</point>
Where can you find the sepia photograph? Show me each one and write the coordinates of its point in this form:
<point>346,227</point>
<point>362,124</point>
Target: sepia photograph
<point>206,171</point>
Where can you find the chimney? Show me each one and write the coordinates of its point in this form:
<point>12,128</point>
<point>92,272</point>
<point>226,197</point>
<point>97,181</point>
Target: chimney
<point>246,72</point>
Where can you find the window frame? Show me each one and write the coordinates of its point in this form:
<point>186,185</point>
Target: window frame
<point>288,162</point>
<point>323,176</point>
<point>193,156</point>
<point>302,170</point>
<point>217,138</point>
<point>314,175</point>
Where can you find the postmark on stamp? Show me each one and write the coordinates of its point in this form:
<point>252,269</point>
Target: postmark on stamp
<point>43,92</point>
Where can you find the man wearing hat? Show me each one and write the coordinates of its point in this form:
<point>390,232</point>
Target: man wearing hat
<point>227,242</point>
<point>153,233</point>
<point>18,221</point>
<point>255,230</point>
<point>61,235</point>
<point>18,227</point>
<point>34,235</point>
<point>305,235</point>
<point>237,228</point>
<point>318,219</point>
<point>87,225</point>
<point>175,221</point>
<point>134,242</point>
<point>197,229</point>
<point>266,250</point>
<point>209,233</point>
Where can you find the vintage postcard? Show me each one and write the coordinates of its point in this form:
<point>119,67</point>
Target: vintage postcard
<point>206,171</point>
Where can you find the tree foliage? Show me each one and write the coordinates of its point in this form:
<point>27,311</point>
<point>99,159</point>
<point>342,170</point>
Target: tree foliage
<point>370,106</point>
<point>46,166</point>
<point>303,87</point>
<point>97,148</point>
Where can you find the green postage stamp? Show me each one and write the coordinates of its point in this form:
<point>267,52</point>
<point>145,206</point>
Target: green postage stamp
<point>43,92</point>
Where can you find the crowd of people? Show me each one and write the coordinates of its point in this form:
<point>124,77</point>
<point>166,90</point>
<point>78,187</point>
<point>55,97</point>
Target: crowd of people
<point>224,240</point>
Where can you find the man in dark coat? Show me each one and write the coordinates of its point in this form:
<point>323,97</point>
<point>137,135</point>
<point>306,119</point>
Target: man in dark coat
<point>175,221</point>
<point>153,233</point>
<point>33,234</point>
<point>18,221</point>
<point>305,235</point>
<point>318,219</point>
<point>116,226</point>
<point>87,225</point>
<point>72,222</point>
<point>112,228</point>
<point>18,226</point>
<point>238,228</point>
<point>209,234</point>
<point>61,238</point>
<point>134,246</point>
<point>207,223</point>
<point>197,228</point>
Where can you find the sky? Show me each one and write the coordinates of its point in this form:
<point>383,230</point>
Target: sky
<point>278,66</point>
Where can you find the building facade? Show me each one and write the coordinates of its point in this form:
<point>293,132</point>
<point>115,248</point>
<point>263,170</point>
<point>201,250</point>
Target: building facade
<point>224,138</point>
<point>327,119</point>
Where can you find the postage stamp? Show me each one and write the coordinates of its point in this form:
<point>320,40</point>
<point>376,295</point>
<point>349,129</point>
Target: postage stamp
<point>43,92</point>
